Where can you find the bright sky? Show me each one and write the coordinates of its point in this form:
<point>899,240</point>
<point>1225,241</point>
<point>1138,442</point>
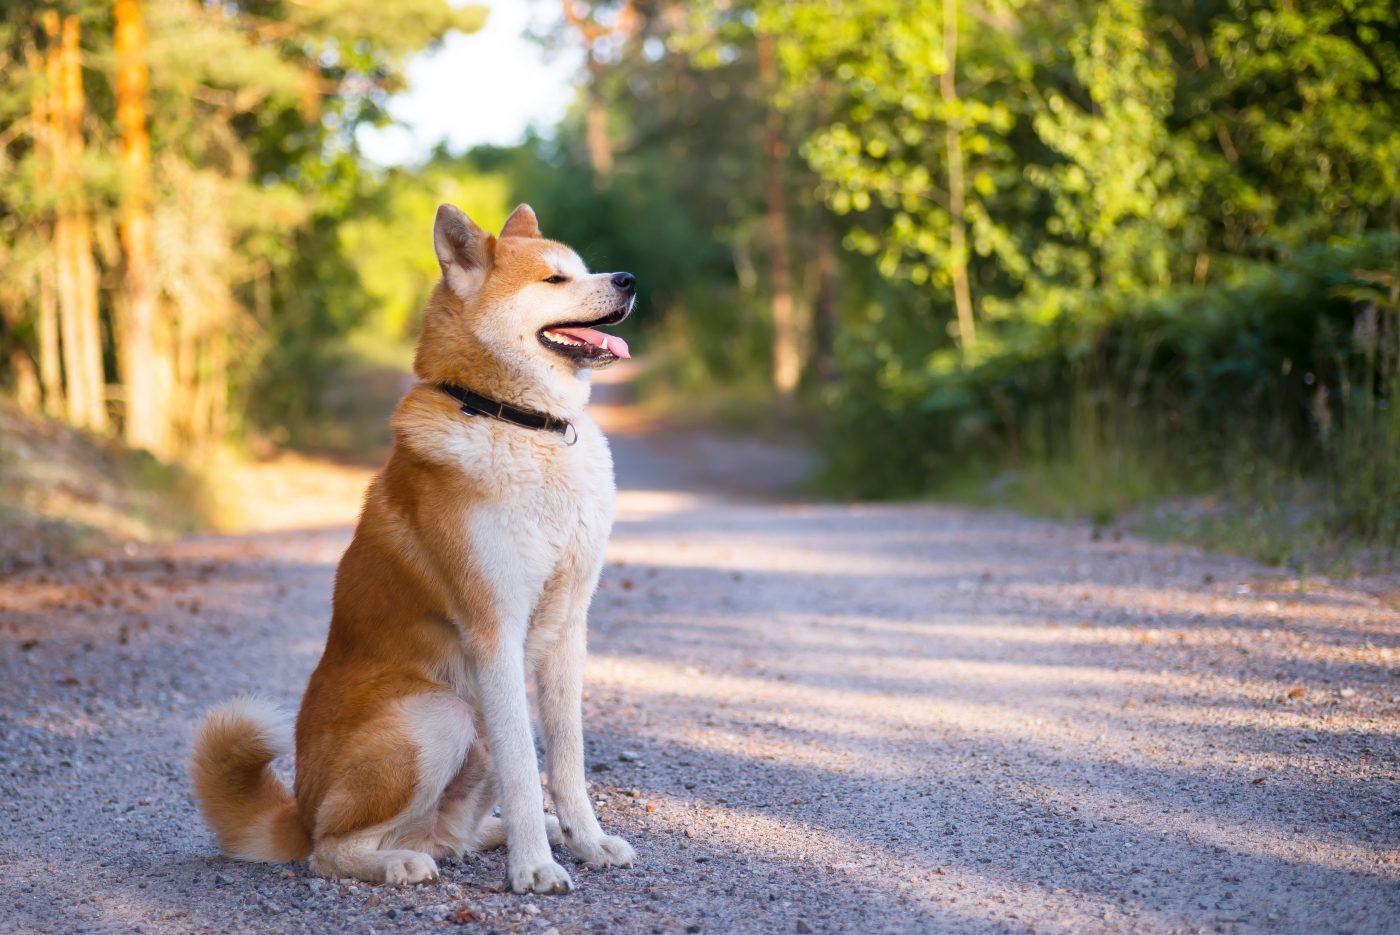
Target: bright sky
<point>484,88</point>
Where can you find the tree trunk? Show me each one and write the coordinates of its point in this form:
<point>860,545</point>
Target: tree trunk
<point>50,367</point>
<point>787,364</point>
<point>77,287</point>
<point>27,394</point>
<point>583,17</point>
<point>827,305</point>
<point>957,241</point>
<point>600,150</point>
<point>65,272</point>
<point>146,419</point>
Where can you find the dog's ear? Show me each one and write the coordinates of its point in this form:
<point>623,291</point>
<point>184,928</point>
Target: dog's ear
<point>522,223</point>
<point>464,251</point>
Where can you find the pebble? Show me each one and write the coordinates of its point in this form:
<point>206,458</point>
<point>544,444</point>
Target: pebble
<point>629,756</point>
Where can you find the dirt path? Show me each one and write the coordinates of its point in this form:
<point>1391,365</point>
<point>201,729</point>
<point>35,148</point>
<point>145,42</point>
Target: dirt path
<point>807,718</point>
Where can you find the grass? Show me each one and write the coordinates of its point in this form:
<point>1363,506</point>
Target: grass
<point>64,492</point>
<point>1261,506</point>
<point>350,419</point>
<point>742,407</point>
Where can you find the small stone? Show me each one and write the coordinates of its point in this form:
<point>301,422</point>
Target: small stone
<point>803,928</point>
<point>222,879</point>
<point>1347,693</point>
<point>629,756</point>
<point>601,768</point>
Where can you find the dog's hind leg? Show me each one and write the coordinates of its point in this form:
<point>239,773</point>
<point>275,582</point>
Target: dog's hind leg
<point>466,803</point>
<point>360,854</point>
<point>380,820</point>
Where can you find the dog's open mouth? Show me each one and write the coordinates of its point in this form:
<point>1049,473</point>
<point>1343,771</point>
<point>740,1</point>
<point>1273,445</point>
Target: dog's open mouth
<point>584,343</point>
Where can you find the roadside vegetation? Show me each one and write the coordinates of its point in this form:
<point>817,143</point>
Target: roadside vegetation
<point>1133,260</point>
<point>65,492</point>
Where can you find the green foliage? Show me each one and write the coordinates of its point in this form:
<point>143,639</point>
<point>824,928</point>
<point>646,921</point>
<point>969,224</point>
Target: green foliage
<point>1360,430</point>
<point>1263,379</point>
<point>389,236</point>
<point>252,112</point>
<point>878,144</point>
<point>1181,219</point>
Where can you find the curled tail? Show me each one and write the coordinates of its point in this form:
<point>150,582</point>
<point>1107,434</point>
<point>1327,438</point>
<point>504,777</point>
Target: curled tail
<point>253,815</point>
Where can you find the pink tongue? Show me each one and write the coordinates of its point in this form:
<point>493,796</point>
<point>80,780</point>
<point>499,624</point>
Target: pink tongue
<point>597,338</point>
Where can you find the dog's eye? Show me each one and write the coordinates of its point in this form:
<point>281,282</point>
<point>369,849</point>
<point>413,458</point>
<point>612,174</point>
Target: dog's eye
<point>556,279</point>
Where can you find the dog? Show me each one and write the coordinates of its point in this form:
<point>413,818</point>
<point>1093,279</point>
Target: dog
<point>476,556</point>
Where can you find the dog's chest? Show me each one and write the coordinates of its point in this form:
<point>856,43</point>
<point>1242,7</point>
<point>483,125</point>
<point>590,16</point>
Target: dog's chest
<point>549,506</point>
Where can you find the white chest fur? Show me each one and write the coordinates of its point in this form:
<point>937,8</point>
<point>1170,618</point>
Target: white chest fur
<point>546,513</point>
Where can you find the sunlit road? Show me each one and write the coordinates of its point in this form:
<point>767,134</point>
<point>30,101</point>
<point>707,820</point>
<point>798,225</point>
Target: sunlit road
<point>807,718</point>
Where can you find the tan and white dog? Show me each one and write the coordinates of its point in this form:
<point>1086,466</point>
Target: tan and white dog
<point>476,556</point>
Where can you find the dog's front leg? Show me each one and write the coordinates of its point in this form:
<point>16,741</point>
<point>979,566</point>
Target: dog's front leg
<point>560,675</point>
<point>500,677</point>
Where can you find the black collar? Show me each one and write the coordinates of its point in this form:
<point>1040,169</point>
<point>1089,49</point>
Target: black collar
<point>474,404</point>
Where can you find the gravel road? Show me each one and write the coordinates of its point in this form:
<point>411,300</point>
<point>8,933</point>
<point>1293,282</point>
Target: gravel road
<point>806,717</point>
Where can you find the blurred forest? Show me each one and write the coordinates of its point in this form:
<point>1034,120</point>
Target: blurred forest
<point>1078,256</point>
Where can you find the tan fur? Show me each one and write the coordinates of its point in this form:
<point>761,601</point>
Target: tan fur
<point>252,813</point>
<point>476,553</point>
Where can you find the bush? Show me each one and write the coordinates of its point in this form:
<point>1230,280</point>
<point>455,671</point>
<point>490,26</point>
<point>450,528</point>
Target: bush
<point>1127,398</point>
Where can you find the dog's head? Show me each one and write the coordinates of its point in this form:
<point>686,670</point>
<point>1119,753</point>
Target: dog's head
<point>523,303</point>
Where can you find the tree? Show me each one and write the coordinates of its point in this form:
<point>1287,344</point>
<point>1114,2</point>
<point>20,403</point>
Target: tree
<point>218,142</point>
<point>912,140</point>
<point>42,130</point>
<point>144,364</point>
<point>787,362</point>
<point>75,274</point>
<point>957,198</point>
<point>599,25</point>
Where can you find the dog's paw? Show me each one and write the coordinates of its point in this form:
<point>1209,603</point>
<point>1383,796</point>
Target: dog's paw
<point>410,868</point>
<point>547,877</point>
<point>609,850</point>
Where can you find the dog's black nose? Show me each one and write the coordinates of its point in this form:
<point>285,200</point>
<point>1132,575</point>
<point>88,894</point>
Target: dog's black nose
<point>625,281</point>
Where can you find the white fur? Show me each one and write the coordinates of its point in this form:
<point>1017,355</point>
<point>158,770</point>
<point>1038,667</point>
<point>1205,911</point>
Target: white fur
<point>464,281</point>
<point>540,544</point>
<point>275,723</point>
<point>361,854</point>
